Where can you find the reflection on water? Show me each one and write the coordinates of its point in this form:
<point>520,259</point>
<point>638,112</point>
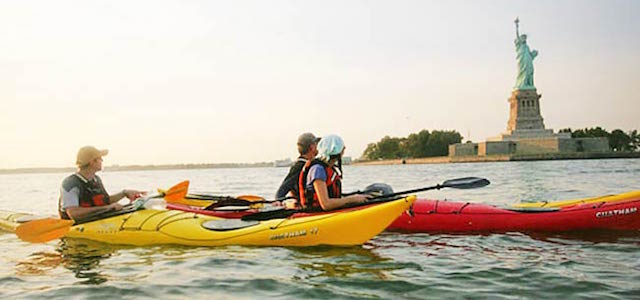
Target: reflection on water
<point>315,262</point>
<point>81,257</point>
<point>39,263</point>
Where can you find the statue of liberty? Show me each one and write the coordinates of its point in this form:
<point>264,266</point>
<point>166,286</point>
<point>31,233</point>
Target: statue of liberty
<point>525,62</point>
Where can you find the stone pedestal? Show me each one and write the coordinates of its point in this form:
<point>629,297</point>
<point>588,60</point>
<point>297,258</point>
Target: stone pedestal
<point>525,120</point>
<point>524,111</point>
<point>525,134</point>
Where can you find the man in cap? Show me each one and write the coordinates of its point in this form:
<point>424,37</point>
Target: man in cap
<point>82,193</point>
<point>308,149</point>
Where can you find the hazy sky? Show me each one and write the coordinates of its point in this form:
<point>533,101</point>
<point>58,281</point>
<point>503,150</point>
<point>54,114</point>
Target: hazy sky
<point>164,82</point>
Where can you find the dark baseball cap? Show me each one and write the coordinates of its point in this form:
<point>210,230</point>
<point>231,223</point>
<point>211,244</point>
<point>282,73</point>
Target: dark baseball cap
<point>307,139</point>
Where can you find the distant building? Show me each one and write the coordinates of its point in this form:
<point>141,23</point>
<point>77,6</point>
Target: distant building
<point>283,163</point>
<point>526,134</point>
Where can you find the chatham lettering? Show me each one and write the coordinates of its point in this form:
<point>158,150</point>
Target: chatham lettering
<point>616,212</point>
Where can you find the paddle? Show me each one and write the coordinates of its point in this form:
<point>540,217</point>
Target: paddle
<point>231,201</point>
<point>44,230</point>
<point>174,193</point>
<point>459,183</point>
<point>218,197</point>
<point>376,188</point>
<point>204,200</point>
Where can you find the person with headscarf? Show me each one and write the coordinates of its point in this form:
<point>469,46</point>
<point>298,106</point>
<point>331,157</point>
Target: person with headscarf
<point>320,182</point>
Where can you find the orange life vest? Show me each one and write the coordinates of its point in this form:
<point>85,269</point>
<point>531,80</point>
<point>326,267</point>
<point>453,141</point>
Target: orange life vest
<point>308,196</point>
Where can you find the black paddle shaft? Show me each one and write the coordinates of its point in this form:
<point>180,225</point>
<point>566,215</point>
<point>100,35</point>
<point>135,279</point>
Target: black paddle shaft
<point>232,201</point>
<point>460,183</point>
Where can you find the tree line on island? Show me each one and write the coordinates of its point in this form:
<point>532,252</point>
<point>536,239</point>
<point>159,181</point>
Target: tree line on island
<point>619,140</point>
<point>436,143</point>
<point>416,145</point>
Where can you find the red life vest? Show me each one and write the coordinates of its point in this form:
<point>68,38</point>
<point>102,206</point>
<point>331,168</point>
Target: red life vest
<point>308,196</point>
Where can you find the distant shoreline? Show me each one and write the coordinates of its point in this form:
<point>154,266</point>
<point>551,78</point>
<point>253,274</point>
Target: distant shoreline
<point>140,168</point>
<point>498,158</point>
<point>408,161</point>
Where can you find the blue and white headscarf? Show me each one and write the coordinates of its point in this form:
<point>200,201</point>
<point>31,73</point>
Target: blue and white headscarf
<point>329,145</point>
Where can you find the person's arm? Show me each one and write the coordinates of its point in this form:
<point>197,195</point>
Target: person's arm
<point>79,212</point>
<point>130,194</point>
<point>290,182</point>
<point>333,203</point>
<point>285,188</point>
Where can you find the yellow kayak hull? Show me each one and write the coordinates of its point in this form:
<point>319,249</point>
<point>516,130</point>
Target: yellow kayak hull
<point>155,227</point>
<point>10,220</point>
<point>565,203</point>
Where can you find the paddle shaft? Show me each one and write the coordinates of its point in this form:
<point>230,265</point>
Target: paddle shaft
<point>231,201</point>
<point>461,183</point>
<point>435,187</point>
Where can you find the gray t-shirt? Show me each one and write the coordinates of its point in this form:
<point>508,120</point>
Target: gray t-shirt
<point>71,197</point>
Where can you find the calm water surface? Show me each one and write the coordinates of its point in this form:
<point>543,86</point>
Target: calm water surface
<point>600,265</point>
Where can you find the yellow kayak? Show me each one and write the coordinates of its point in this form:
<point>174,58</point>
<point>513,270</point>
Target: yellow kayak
<point>9,220</point>
<point>346,227</point>
<point>566,203</point>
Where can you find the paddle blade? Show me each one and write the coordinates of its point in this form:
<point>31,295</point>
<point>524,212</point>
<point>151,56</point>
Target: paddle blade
<point>177,192</point>
<point>378,189</point>
<point>43,230</point>
<point>465,183</point>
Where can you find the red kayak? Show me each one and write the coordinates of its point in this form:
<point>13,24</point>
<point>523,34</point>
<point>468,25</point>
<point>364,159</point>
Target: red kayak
<point>614,212</point>
<point>462,217</point>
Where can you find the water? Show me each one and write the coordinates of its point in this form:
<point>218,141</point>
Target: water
<point>600,265</point>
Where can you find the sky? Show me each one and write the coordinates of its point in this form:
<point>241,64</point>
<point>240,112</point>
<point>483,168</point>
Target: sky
<point>172,82</point>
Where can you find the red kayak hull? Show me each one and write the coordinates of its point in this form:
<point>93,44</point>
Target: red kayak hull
<point>462,217</point>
